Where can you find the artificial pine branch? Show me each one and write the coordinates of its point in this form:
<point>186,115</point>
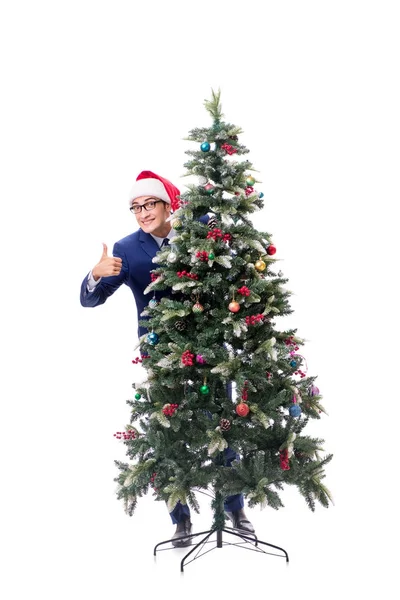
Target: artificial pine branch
<point>213,106</point>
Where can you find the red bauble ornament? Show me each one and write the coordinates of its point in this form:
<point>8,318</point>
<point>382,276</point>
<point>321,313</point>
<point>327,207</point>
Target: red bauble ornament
<point>242,409</point>
<point>271,249</point>
<point>234,306</point>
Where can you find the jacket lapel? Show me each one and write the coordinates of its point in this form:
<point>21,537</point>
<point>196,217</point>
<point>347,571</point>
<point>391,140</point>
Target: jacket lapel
<point>148,243</point>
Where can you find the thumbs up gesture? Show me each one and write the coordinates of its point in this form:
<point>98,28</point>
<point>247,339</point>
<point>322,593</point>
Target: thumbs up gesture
<point>107,266</point>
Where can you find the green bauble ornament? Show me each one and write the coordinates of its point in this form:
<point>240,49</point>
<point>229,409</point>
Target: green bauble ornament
<point>204,390</point>
<point>138,396</point>
<point>211,256</point>
<point>177,224</point>
<point>250,180</point>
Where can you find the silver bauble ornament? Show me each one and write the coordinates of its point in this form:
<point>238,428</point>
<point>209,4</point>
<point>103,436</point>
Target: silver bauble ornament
<point>172,257</point>
<point>153,303</point>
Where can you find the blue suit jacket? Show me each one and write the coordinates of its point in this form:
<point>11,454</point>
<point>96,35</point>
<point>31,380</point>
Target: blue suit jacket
<point>137,251</point>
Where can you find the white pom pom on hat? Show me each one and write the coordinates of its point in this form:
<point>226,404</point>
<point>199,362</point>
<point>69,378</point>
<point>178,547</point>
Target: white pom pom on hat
<point>149,184</point>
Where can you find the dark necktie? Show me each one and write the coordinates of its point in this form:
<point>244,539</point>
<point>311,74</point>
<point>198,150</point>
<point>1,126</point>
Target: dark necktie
<point>164,243</point>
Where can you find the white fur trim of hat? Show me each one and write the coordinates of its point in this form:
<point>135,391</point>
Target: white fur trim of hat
<point>148,187</point>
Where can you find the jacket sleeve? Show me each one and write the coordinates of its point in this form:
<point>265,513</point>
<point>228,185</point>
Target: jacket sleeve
<point>107,285</point>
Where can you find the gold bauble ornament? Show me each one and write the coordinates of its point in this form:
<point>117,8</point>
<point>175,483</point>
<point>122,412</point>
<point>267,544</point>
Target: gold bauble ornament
<point>260,265</point>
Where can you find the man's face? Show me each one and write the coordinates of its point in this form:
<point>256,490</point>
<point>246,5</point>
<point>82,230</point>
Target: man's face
<point>155,220</point>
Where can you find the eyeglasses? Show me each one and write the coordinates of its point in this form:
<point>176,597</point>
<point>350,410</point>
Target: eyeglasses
<point>137,208</point>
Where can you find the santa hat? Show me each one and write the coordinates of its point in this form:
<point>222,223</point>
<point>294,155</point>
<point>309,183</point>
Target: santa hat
<point>149,184</point>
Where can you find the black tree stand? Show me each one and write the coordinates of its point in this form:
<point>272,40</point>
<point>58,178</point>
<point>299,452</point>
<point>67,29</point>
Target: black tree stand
<point>248,541</point>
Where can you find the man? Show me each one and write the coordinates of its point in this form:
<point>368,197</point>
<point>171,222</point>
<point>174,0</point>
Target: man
<point>152,199</point>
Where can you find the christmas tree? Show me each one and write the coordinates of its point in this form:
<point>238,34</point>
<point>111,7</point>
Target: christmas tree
<point>219,372</point>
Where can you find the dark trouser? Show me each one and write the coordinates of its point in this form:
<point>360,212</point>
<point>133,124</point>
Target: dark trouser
<point>232,503</point>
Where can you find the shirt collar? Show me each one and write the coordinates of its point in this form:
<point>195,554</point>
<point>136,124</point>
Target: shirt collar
<point>160,240</point>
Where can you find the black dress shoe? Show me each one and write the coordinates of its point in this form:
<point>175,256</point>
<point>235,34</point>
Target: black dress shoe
<point>240,521</point>
<point>183,529</point>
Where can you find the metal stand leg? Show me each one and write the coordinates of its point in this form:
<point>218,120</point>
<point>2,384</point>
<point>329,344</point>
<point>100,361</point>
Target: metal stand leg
<point>249,541</point>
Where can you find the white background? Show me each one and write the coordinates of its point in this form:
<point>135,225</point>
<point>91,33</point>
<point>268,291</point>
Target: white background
<point>95,92</point>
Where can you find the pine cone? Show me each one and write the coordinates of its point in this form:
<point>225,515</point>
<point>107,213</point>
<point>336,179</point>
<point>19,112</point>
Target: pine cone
<point>180,325</point>
<point>225,424</point>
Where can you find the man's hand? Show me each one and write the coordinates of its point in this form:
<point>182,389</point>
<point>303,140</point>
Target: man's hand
<point>107,266</point>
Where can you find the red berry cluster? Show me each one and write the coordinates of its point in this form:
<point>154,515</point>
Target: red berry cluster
<point>188,358</point>
<point>152,478</point>
<point>202,255</point>
<point>125,435</point>
<point>154,276</point>
<point>187,274</point>
<point>229,149</point>
<point>254,319</point>
<point>291,343</point>
<point>244,291</point>
<point>217,233</point>
<point>169,409</point>
<point>300,372</point>
<point>249,190</point>
<point>284,459</point>
<point>138,359</point>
